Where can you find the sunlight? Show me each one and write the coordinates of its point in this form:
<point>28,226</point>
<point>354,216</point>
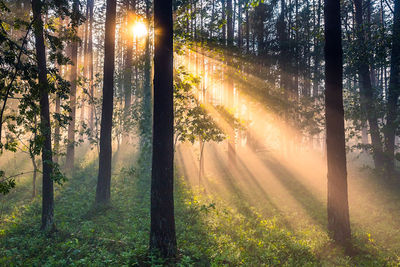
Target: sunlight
<point>278,168</point>
<point>139,29</point>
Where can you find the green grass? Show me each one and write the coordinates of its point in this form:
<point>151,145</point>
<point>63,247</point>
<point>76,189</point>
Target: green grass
<point>210,231</point>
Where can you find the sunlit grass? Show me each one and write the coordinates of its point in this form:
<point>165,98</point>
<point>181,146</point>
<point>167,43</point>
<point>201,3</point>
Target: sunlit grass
<point>286,175</point>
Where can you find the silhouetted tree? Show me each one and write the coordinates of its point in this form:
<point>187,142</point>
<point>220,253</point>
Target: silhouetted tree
<point>162,233</point>
<point>104,177</point>
<point>45,130</point>
<point>393,92</point>
<point>70,157</point>
<point>130,8</point>
<point>367,96</point>
<point>338,208</point>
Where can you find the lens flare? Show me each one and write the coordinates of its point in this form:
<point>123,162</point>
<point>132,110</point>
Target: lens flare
<point>139,29</point>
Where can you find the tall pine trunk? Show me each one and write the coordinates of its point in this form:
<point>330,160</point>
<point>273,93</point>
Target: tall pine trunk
<point>45,130</point>
<point>69,163</point>
<point>338,208</point>
<point>162,232</point>
<point>104,177</point>
<point>229,22</point>
<point>224,24</point>
<point>367,96</point>
<point>128,66</point>
<point>90,59</point>
<point>240,21</point>
<point>145,122</point>
<point>393,93</point>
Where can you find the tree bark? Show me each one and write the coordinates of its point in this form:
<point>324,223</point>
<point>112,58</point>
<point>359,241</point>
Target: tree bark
<point>70,157</point>
<point>128,66</point>
<point>393,93</point>
<point>247,29</point>
<point>366,91</point>
<point>145,122</point>
<point>240,38</point>
<point>162,232</point>
<point>90,59</point>
<point>104,177</point>
<point>34,175</point>
<point>45,130</point>
<point>338,209</point>
<point>224,22</point>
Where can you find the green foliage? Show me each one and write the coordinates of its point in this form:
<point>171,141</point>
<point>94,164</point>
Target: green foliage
<point>192,122</point>
<point>5,184</point>
<point>210,231</point>
<point>20,92</point>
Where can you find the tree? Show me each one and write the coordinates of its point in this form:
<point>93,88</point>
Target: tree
<point>338,208</point>
<point>130,8</point>
<point>162,231</point>
<point>104,177</point>
<point>367,97</point>
<point>191,119</point>
<point>69,163</point>
<point>393,93</point>
<point>229,22</point>
<point>90,59</point>
<point>45,130</point>
<point>145,122</point>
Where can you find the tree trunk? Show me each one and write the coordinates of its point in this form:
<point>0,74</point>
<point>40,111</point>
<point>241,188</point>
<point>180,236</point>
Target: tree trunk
<point>104,177</point>
<point>247,29</point>
<point>229,22</point>
<point>85,60</point>
<point>317,58</point>
<point>47,192</point>
<point>145,122</point>
<point>224,22</point>
<point>366,91</point>
<point>393,93</point>
<point>34,175</point>
<point>69,163</point>
<point>90,59</point>
<point>128,67</point>
<point>338,209</point>
<point>240,38</point>
<point>162,232</point>
<point>57,135</point>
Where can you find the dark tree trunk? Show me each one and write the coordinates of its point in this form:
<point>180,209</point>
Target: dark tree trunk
<point>162,233</point>
<point>247,29</point>
<point>259,18</point>
<point>240,38</point>
<point>224,24</point>
<point>212,20</point>
<point>128,66</point>
<point>366,91</point>
<point>338,209</point>
<point>393,92</point>
<point>104,177</point>
<point>90,59</point>
<point>145,122</point>
<point>57,131</point>
<point>69,163</point>
<point>85,60</point>
<point>34,175</point>
<point>45,130</point>
<point>317,58</point>
<point>284,48</point>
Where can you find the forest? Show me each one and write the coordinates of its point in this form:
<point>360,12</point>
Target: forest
<point>199,133</point>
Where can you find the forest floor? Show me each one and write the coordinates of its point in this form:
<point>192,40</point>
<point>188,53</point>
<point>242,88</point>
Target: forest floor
<point>211,230</point>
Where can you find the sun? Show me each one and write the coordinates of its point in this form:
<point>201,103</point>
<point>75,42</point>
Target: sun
<point>139,29</point>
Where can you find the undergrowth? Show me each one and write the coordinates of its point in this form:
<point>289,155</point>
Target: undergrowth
<point>210,232</point>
